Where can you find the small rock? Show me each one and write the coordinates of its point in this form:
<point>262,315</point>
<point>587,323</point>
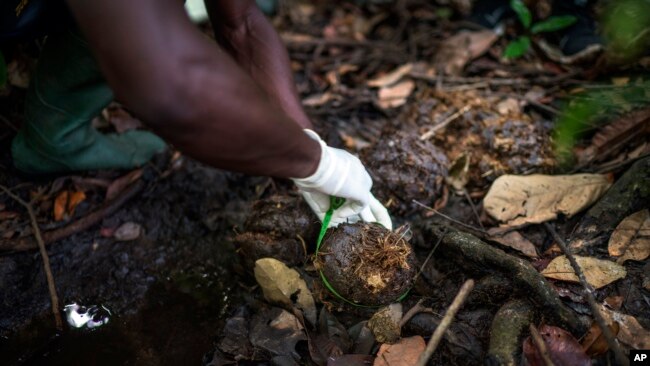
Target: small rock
<point>128,231</point>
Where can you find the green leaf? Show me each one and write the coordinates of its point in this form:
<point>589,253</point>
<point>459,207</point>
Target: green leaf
<point>522,12</point>
<point>3,71</point>
<point>517,48</point>
<point>553,24</point>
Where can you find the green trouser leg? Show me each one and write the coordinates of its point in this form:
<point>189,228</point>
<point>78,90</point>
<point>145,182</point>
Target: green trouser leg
<point>67,91</point>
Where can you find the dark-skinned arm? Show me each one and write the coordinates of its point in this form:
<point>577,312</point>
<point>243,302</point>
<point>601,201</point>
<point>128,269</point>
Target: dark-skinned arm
<point>243,31</point>
<point>191,91</point>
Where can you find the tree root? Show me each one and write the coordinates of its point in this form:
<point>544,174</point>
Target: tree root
<point>508,330</point>
<point>486,258</point>
<point>629,194</point>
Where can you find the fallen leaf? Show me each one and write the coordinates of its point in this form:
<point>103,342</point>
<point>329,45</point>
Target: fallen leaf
<point>391,77</point>
<point>403,353</point>
<point>614,302</point>
<point>74,199</point>
<point>60,205</point>
<point>598,272</point>
<point>562,347</point>
<point>119,184</point>
<point>515,240</point>
<point>128,231</point>
<point>121,119</point>
<point>537,198</point>
<point>459,172</point>
<point>594,342</point>
<point>457,50</point>
<point>631,333</point>
<point>276,331</point>
<point>621,81</point>
<point>280,284</point>
<point>631,238</point>
<point>395,95</point>
<point>615,134</point>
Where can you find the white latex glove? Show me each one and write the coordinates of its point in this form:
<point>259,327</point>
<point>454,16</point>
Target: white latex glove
<point>341,174</point>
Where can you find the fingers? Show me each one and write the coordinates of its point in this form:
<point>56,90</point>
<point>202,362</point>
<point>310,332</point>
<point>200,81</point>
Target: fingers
<point>380,213</point>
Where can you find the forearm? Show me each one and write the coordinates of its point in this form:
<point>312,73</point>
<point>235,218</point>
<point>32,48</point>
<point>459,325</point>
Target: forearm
<point>190,91</point>
<point>243,31</point>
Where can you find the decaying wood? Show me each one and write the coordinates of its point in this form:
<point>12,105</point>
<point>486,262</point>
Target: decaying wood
<point>629,194</point>
<point>93,218</point>
<point>473,251</point>
<point>508,330</point>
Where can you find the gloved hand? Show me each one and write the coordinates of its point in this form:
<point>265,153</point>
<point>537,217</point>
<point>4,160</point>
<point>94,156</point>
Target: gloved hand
<point>341,174</point>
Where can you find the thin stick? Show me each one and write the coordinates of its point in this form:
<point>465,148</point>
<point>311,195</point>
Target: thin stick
<point>589,291</point>
<point>541,345</point>
<point>449,218</point>
<point>471,204</point>
<point>415,310</point>
<point>446,322</point>
<point>427,135</point>
<point>58,322</point>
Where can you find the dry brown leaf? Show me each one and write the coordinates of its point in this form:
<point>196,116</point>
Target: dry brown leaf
<point>598,272</point>
<point>391,77</point>
<point>517,200</point>
<point>456,51</point>
<point>60,205</point>
<point>403,353</point>
<point>395,95</point>
<point>614,302</point>
<point>594,342</point>
<point>615,134</point>
<point>515,240</point>
<point>631,238</point>
<point>631,333</point>
<point>74,199</point>
<point>281,284</point>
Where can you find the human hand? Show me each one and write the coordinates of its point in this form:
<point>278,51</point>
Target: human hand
<point>341,174</point>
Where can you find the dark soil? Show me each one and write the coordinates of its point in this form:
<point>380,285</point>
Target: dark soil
<point>367,264</point>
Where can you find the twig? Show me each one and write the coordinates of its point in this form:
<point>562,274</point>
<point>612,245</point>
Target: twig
<point>432,131</point>
<point>415,310</point>
<point>58,322</point>
<point>82,224</point>
<point>541,345</point>
<point>446,322</point>
<point>475,229</point>
<point>589,291</point>
<point>474,210</point>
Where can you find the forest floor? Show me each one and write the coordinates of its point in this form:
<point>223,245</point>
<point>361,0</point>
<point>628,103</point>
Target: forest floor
<point>453,136</point>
